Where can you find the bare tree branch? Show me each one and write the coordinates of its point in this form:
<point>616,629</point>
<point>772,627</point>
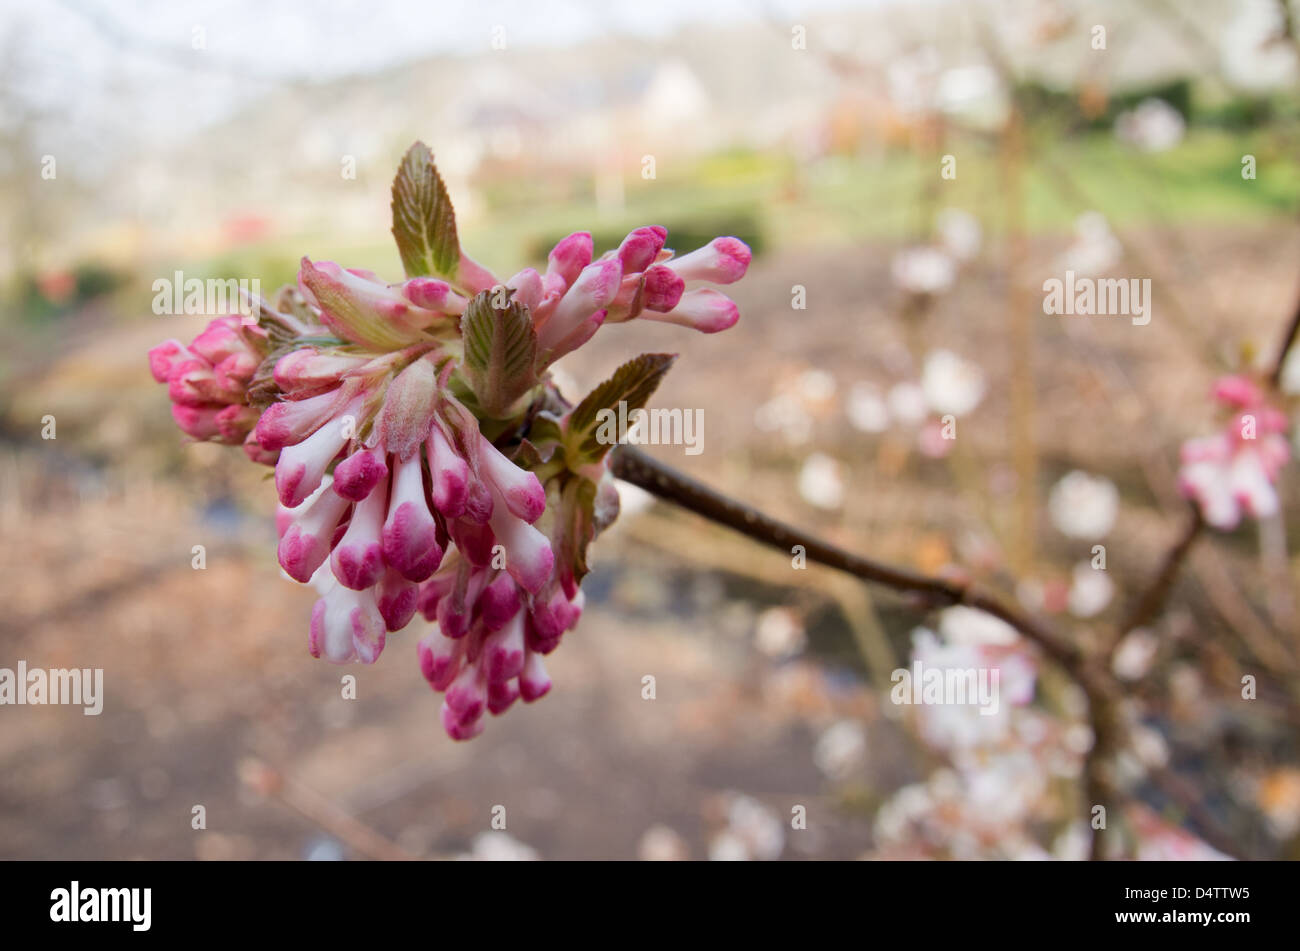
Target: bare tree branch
<point>661,480</point>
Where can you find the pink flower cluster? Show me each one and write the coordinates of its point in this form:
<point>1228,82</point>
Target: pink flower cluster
<point>207,381</point>
<point>392,498</point>
<point>375,536</point>
<point>1235,471</point>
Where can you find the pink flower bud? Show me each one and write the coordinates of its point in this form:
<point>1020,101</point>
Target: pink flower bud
<point>165,356</point>
<point>537,642</point>
<point>467,695</point>
<point>346,625</point>
<point>397,599</point>
<point>433,294</point>
<point>570,256</point>
<point>721,261</point>
<point>291,421</point>
<point>503,651</point>
<point>528,288</point>
<point>198,421</point>
<point>548,618</point>
<point>499,602</point>
<point>473,539</point>
<point>578,336</point>
<point>456,609</point>
<point>501,696</point>
<point>529,558</point>
<point>595,288</point>
<point>439,659</point>
<point>458,728</point>
<point>308,369</point>
<point>359,473</point>
<point>478,502</point>
<point>433,591</point>
<point>234,373</point>
<point>533,681</point>
<point>358,560</point>
<point>705,310</point>
<point>450,474</point>
<point>309,535</point>
<point>362,310</point>
<point>627,303</point>
<point>222,338</point>
<point>1236,390</point>
<point>523,493</point>
<point>193,383</point>
<point>410,534</point>
<point>256,453</point>
<point>640,248</point>
<point>574,610</point>
<point>235,422</point>
<point>663,289</point>
<point>302,465</point>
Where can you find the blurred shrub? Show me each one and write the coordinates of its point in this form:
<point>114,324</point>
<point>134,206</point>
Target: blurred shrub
<point>1040,102</point>
<point>55,293</point>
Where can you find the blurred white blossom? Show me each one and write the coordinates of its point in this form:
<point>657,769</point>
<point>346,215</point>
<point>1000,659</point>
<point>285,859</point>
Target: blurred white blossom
<point>1256,53</point>
<point>957,726</point>
<point>912,79</point>
<point>1152,126</point>
<point>973,95</point>
<point>785,414</point>
<point>951,384</point>
<point>1083,506</point>
<point>497,846</point>
<point>960,233</point>
<point>866,409</point>
<point>816,386</point>
<point>1134,654</point>
<point>1091,590</point>
<point>779,633</point>
<point>661,843</point>
<point>962,625</point>
<point>821,481</point>
<point>841,750</point>
<point>753,832</point>
<point>924,270</point>
<point>907,403</point>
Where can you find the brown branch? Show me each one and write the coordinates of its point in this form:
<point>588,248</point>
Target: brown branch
<point>1152,600</point>
<point>1288,341</point>
<point>632,465</point>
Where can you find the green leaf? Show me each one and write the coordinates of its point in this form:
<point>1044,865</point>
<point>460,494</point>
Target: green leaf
<point>500,350</point>
<point>424,223</point>
<point>544,429</point>
<point>633,383</point>
<point>528,456</point>
<point>575,527</point>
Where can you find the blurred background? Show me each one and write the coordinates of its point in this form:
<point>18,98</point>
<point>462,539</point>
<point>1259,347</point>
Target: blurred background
<point>908,174</point>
